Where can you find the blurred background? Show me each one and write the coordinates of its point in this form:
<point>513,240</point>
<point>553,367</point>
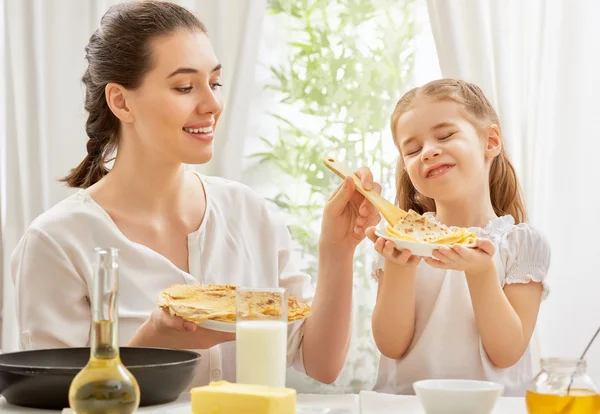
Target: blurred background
<point>306,79</point>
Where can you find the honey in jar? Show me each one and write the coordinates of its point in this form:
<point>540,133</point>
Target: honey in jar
<point>563,387</point>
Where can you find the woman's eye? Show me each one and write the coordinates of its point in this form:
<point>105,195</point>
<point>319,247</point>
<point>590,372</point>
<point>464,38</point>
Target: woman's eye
<point>185,90</point>
<point>215,86</point>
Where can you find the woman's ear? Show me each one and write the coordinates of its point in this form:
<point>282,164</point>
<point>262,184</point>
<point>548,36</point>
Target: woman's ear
<point>116,98</point>
<point>493,144</point>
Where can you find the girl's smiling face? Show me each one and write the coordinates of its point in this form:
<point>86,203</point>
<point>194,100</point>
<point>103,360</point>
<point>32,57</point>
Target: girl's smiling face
<point>444,154</point>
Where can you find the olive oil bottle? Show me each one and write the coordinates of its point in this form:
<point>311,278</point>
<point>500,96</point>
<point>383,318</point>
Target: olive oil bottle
<point>104,385</point>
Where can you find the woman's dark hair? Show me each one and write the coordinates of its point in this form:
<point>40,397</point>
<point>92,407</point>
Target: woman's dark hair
<point>120,52</point>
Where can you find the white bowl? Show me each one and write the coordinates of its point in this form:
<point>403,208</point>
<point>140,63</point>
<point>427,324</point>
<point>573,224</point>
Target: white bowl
<point>445,396</point>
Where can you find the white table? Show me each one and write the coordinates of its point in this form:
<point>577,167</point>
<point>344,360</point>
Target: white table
<point>365,403</point>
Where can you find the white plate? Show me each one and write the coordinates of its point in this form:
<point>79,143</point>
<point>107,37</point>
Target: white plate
<point>416,248</point>
<point>225,326</point>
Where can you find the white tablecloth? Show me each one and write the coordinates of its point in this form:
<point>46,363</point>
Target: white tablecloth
<point>365,403</point>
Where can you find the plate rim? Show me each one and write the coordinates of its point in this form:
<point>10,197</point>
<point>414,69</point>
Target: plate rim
<point>229,327</point>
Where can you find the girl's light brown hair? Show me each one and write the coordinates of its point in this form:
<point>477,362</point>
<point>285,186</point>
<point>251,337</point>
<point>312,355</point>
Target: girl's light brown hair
<point>505,191</point>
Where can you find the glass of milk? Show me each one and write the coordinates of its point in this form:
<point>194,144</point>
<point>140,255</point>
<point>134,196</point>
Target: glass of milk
<point>261,336</point>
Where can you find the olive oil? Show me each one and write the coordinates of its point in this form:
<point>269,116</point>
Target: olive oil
<point>104,385</point>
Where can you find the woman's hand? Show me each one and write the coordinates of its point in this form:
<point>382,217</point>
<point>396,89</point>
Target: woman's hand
<point>167,331</point>
<point>469,260</point>
<point>347,214</point>
<point>388,250</point>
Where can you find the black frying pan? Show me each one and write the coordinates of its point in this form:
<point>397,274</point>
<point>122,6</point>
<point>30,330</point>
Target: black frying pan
<point>41,378</point>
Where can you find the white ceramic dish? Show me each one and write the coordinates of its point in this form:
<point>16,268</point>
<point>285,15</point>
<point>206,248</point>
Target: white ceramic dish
<point>458,396</point>
<point>224,326</point>
<point>416,248</point>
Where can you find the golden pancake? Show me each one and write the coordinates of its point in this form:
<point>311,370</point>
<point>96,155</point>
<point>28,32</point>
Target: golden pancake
<point>417,228</point>
<point>199,303</point>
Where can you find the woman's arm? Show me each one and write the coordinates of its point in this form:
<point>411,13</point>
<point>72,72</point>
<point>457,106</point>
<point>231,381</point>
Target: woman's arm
<point>51,296</point>
<point>53,308</point>
<point>163,330</point>
<point>327,332</point>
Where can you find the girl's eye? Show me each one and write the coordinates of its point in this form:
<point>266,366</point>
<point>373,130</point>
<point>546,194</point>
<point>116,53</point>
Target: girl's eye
<point>413,151</point>
<point>215,86</point>
<point>446,137</point>
<point>184,90</point>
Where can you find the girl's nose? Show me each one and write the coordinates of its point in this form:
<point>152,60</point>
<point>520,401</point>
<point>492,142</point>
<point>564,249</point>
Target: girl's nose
<point>430,152</point>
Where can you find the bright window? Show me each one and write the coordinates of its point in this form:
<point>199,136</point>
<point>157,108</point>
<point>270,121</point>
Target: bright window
<point>330,75</point>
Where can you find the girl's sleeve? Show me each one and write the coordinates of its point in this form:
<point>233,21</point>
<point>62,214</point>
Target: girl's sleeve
<point>527,256</point>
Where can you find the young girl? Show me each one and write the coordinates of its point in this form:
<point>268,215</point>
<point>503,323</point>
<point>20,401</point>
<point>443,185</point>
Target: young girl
<point>466,313</point>
<point>153,94</point>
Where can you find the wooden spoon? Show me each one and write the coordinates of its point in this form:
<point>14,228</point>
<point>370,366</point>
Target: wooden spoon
<point>390,212</point>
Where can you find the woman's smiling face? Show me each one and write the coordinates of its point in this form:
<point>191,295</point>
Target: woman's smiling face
<point>177,106</point>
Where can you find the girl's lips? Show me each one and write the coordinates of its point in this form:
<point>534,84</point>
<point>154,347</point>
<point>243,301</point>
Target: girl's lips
<point>438,170</point>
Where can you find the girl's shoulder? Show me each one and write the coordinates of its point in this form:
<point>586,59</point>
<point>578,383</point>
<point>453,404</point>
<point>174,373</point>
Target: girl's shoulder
<point>522,240</point>
<point>523,250</point>
<point>505,233</point>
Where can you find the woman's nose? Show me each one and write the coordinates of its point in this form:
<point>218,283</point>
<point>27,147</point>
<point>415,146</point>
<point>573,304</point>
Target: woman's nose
<point>209,102</point>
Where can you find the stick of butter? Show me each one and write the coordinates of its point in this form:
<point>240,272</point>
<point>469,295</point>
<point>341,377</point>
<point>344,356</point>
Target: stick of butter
<point>227,398</point>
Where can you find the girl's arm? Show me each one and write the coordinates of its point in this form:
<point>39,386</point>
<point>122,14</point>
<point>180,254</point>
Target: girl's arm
<point>393,320</point>
<point>505,312</point>
<point>506,317</point>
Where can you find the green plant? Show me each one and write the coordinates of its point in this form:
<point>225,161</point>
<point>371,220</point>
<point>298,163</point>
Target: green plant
<point>349,62</point>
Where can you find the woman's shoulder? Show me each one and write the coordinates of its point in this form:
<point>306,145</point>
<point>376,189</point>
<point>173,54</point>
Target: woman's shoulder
<point>75,214</point>
<point>228,194</point>
<point>238,205</point>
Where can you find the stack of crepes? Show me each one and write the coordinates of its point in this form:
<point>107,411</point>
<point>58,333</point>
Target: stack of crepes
<point>417,228</point>
<point>199,303</point>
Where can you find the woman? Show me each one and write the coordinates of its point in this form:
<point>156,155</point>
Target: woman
<point>153,95</point>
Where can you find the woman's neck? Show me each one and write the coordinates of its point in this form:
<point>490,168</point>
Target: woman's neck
<point>148,184</point>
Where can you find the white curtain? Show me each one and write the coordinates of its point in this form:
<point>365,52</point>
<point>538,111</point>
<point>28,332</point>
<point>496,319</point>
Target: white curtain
<point>537,61</point>
<point>42,119</point>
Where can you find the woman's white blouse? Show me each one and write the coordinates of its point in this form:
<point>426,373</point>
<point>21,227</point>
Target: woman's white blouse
<point>239,242</point>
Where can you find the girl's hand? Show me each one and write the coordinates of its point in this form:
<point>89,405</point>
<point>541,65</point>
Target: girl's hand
<point>388,250</point>
<point>469,260</point>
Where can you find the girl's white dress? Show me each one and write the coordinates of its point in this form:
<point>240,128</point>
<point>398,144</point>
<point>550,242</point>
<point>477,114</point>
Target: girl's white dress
<point>446,342</point>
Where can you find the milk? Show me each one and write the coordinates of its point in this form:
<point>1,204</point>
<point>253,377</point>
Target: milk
<point>261,348</point>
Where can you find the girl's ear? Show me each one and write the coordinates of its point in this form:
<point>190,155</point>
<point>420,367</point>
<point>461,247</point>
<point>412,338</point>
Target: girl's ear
<point>493,144</point>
